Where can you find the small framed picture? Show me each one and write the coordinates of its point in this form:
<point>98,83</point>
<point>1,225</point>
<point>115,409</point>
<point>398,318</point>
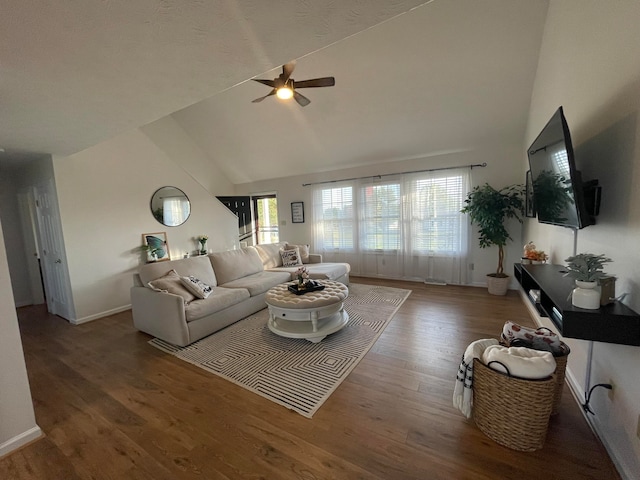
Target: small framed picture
<point>157,246</point>
<point>529,206</point>
<point>297,212</point>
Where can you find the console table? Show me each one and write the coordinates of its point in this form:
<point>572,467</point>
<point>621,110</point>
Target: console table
<point>613,323</point>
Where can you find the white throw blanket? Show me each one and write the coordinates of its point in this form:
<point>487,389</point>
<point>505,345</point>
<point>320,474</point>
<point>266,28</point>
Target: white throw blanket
<point>522,362</point>
<point>462,392</point>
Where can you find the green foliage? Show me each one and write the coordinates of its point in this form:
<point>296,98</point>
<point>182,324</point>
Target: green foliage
<point>489,208</point>
<point>586,267</point>
<point>554,195</point>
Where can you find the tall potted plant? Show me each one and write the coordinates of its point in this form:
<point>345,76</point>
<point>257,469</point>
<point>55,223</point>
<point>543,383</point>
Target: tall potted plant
<point>489,209</point>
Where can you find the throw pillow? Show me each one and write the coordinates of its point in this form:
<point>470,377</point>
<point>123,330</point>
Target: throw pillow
<point>170,283</point>
<point>196,286</point>
<point>290,258</point>
<point>304,251</point>
<point>514,335</point>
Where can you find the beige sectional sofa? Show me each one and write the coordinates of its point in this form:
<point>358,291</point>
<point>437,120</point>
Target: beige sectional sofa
<point>164,307</point>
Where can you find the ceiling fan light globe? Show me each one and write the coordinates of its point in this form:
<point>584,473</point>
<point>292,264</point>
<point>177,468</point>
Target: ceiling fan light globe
<point>284,93</point>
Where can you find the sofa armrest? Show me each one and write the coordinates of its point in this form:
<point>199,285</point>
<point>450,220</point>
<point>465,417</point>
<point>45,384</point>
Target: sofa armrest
<point>315,258</point>
<point>160,314</point>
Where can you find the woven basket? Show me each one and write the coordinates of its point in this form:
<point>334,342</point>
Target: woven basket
<point>559,372</point>
<point>512,411</point>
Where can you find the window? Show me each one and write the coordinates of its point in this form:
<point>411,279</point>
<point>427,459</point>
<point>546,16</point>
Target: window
<point>334,217</point>
<point>404,226</point>
<point>266,219</point>
<point>433,214</point>
<point>380,217</point>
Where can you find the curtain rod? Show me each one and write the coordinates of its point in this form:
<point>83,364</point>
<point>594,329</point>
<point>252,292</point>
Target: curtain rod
<point>484,164</point>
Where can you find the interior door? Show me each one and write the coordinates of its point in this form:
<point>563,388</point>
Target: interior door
<point>53,259</point>
<point>27,206</point>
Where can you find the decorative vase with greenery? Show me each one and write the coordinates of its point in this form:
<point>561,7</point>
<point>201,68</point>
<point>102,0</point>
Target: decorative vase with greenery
<point>202,239</point>
<point>489,209</point>
<point>586,269</point>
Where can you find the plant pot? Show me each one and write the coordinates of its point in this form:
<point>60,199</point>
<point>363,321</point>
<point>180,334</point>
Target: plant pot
<point>585,295</point>
<point>498,285</point>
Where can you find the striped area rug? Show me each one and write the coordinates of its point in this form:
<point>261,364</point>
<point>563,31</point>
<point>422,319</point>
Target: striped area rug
<point>294,373</point>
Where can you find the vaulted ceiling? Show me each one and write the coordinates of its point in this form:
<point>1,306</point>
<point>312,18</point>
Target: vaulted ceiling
<point>413,78</point>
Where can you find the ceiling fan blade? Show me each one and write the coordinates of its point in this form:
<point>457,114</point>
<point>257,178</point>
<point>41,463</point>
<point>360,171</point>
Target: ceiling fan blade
<point>287,70</point>
<point>268,83</point>
<point>258,100</point>
<point>301,99</point>
<point>316,82</point>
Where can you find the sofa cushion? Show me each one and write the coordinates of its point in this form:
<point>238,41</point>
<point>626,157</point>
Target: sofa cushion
<point>234,264</point>
<point>170,283</point>
<point>270,254</point>
<point>303,249</point>
<point>199,267</point>
<point>291,257</point>
<point>259,283</point>
<point>196,286</point>
<point>318,271</point>
<point>219,299</point>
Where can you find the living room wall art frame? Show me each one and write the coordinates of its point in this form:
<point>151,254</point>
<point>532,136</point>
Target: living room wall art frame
<point>157,246</point>
<point>297,212</point>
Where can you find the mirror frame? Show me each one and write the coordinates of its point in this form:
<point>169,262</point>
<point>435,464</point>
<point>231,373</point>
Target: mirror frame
<point>156,207</point>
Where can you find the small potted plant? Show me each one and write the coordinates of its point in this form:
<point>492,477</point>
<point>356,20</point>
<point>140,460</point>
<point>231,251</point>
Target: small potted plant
<point>489,209</point>
<point>586,269</point>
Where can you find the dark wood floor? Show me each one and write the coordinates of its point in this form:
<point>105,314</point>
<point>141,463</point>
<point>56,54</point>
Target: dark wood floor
<point>113,407</point>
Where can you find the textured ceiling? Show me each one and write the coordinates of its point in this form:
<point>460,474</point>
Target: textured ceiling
<point>447,75</point>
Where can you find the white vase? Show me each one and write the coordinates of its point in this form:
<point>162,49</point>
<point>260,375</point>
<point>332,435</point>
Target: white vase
<point>585,295</point>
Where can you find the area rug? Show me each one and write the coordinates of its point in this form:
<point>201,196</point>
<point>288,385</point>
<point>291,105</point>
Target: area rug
<point>294,373</point>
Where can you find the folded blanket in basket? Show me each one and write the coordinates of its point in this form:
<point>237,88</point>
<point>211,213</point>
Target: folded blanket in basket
<point>462,392</point>
<point>514,335</point>
<point>519,362</point>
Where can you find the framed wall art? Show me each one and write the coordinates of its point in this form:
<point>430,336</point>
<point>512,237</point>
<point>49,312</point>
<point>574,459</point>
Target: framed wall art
<point>157,246</point>
<point>297,212</point>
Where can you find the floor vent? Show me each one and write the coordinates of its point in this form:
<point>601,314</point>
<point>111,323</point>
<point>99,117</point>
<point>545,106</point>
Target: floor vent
<point>434,281</point>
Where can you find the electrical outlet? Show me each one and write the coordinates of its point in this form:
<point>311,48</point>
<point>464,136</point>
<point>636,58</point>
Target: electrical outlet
<point>613,389</point>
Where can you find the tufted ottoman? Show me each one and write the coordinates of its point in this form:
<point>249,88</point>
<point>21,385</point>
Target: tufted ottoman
<point>311,316</point>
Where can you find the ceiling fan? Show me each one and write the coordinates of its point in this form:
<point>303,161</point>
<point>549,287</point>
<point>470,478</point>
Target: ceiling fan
<point>284,87</point>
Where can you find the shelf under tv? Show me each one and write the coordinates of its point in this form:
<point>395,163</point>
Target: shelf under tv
<point>613,323</point>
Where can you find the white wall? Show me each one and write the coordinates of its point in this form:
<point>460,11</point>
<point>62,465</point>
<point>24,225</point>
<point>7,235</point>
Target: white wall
<point>590,64</point>
<point>104,195</point>
<point>503,168</point>
<point>10,214</point>
<point>18,425</point>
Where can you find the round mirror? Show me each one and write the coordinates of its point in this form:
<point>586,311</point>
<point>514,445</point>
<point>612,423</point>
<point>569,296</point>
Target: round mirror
<point>170,206</point>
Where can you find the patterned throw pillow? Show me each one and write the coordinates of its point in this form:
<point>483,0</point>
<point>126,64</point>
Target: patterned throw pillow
<point>514,335</point>
<point>170,283</point>
<point>196,286</point>
<point>291,258</point>
<point>304,251</point>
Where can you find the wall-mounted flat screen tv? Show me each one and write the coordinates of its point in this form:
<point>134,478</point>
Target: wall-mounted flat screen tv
<point>559,195</point>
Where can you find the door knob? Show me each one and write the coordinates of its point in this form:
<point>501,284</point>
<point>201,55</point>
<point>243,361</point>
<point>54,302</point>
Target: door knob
<point>58,261</point>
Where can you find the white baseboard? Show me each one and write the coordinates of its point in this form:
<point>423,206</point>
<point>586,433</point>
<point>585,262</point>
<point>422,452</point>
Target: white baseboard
<point>20,440</point>
<point>96,316</point>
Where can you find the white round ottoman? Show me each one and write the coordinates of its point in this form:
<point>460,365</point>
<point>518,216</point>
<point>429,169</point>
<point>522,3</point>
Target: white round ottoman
<point>311,316</point>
